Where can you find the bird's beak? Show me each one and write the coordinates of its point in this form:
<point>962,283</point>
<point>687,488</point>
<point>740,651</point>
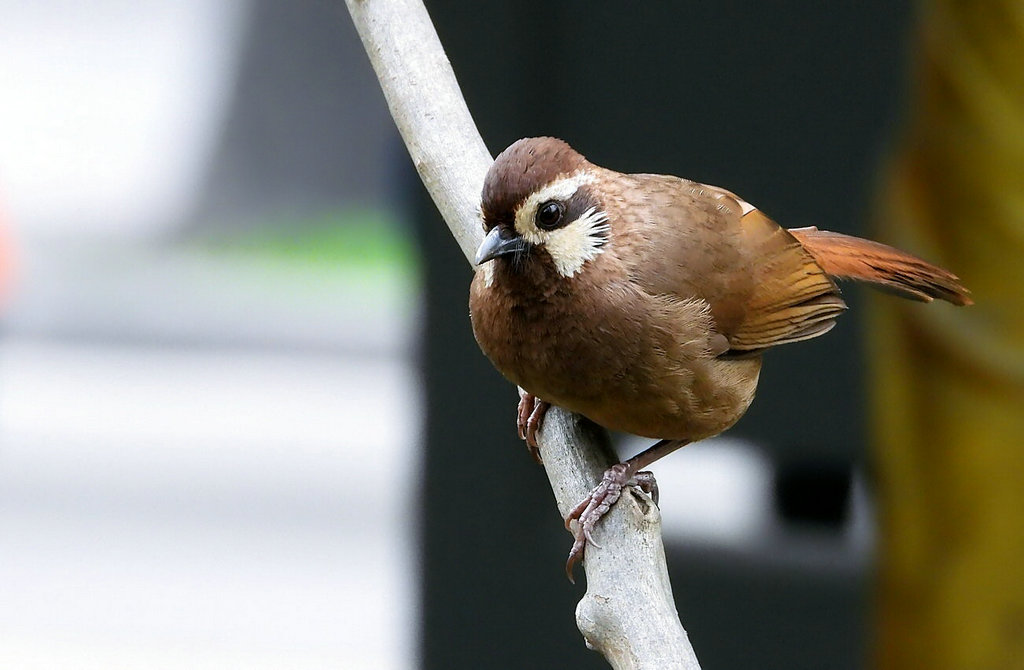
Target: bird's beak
<point>499,241</point>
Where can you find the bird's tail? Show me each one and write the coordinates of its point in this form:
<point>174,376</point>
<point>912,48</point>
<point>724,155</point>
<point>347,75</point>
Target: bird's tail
<point>882,266</point>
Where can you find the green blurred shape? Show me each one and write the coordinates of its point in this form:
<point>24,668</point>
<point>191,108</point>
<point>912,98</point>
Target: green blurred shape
<point>352,240</point>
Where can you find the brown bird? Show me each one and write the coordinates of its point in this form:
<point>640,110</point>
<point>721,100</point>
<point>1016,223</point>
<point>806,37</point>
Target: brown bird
<point>644,302</point>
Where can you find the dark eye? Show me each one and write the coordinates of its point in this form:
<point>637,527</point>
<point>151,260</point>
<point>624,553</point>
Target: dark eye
<point>549,215</point>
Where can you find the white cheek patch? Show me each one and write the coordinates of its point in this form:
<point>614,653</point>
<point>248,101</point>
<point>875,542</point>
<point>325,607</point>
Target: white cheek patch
<point>572,245</point>
<point>582,240</point>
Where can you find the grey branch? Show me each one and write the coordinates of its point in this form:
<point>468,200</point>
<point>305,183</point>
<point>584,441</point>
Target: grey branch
<point>628,613</point>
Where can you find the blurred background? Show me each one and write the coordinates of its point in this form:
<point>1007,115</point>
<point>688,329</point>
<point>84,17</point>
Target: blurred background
<point>243,421</point>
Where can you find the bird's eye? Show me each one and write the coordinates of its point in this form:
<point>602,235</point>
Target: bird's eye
<point>549,215</point>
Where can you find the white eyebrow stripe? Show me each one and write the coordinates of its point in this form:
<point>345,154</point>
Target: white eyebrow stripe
<point>560,189</point>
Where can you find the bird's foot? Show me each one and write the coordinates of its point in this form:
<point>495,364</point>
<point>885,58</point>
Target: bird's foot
<point>531,414</point>
<point>596,505</point>
<point>646,482</point>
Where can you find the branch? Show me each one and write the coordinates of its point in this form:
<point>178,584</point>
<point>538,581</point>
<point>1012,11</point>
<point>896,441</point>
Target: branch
<point>628,613</point>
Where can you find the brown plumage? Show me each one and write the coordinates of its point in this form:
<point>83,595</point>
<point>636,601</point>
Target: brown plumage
<point>644,301</point>
<point>886,268</point>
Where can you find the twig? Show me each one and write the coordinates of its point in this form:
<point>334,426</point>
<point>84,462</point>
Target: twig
<point>628,613</point>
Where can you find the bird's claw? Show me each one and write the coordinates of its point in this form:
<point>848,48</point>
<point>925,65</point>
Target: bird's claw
<point>646,482</point>
<point>590,510</point>
<point>531,416</point>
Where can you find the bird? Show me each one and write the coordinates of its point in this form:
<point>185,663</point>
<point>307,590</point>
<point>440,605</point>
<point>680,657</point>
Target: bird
<point>645,302</point>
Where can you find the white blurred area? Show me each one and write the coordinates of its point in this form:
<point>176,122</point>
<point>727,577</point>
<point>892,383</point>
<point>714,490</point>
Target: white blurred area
<point>109,109</point>
<point>166,509</point>
<point>201,466</point>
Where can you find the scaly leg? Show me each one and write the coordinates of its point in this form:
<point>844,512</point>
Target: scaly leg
<point>531,414</point>
<point>596,505</point>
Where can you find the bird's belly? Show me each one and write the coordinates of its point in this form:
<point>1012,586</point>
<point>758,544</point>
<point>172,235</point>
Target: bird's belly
<point>683,407</point>
<point>619,374</point>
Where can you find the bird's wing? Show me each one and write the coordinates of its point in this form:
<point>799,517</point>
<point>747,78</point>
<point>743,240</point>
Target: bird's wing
<point>763,287</point>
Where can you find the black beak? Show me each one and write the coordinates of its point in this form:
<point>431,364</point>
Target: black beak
<point>499,241</point>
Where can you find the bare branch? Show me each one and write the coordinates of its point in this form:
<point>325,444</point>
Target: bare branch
<point>628,613</point>
<point>428,108</point>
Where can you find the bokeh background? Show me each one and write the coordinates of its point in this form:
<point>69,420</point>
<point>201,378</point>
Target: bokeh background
<point>243,422</point>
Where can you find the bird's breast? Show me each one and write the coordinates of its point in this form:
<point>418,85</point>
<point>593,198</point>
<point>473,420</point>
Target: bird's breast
<point>549,343</point>
<point>627,360</point>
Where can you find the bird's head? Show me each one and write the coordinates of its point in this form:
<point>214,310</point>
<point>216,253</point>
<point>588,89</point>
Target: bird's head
<point>540,200</point>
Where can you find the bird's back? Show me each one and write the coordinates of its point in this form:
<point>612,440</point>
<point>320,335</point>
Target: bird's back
<point>691,240</point>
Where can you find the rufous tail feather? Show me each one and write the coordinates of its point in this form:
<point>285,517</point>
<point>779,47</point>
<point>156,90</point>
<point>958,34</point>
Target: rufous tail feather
<point>882,266</point>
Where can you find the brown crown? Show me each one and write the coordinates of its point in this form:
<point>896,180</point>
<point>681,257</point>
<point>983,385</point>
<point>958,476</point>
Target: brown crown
<point>522,168</point>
